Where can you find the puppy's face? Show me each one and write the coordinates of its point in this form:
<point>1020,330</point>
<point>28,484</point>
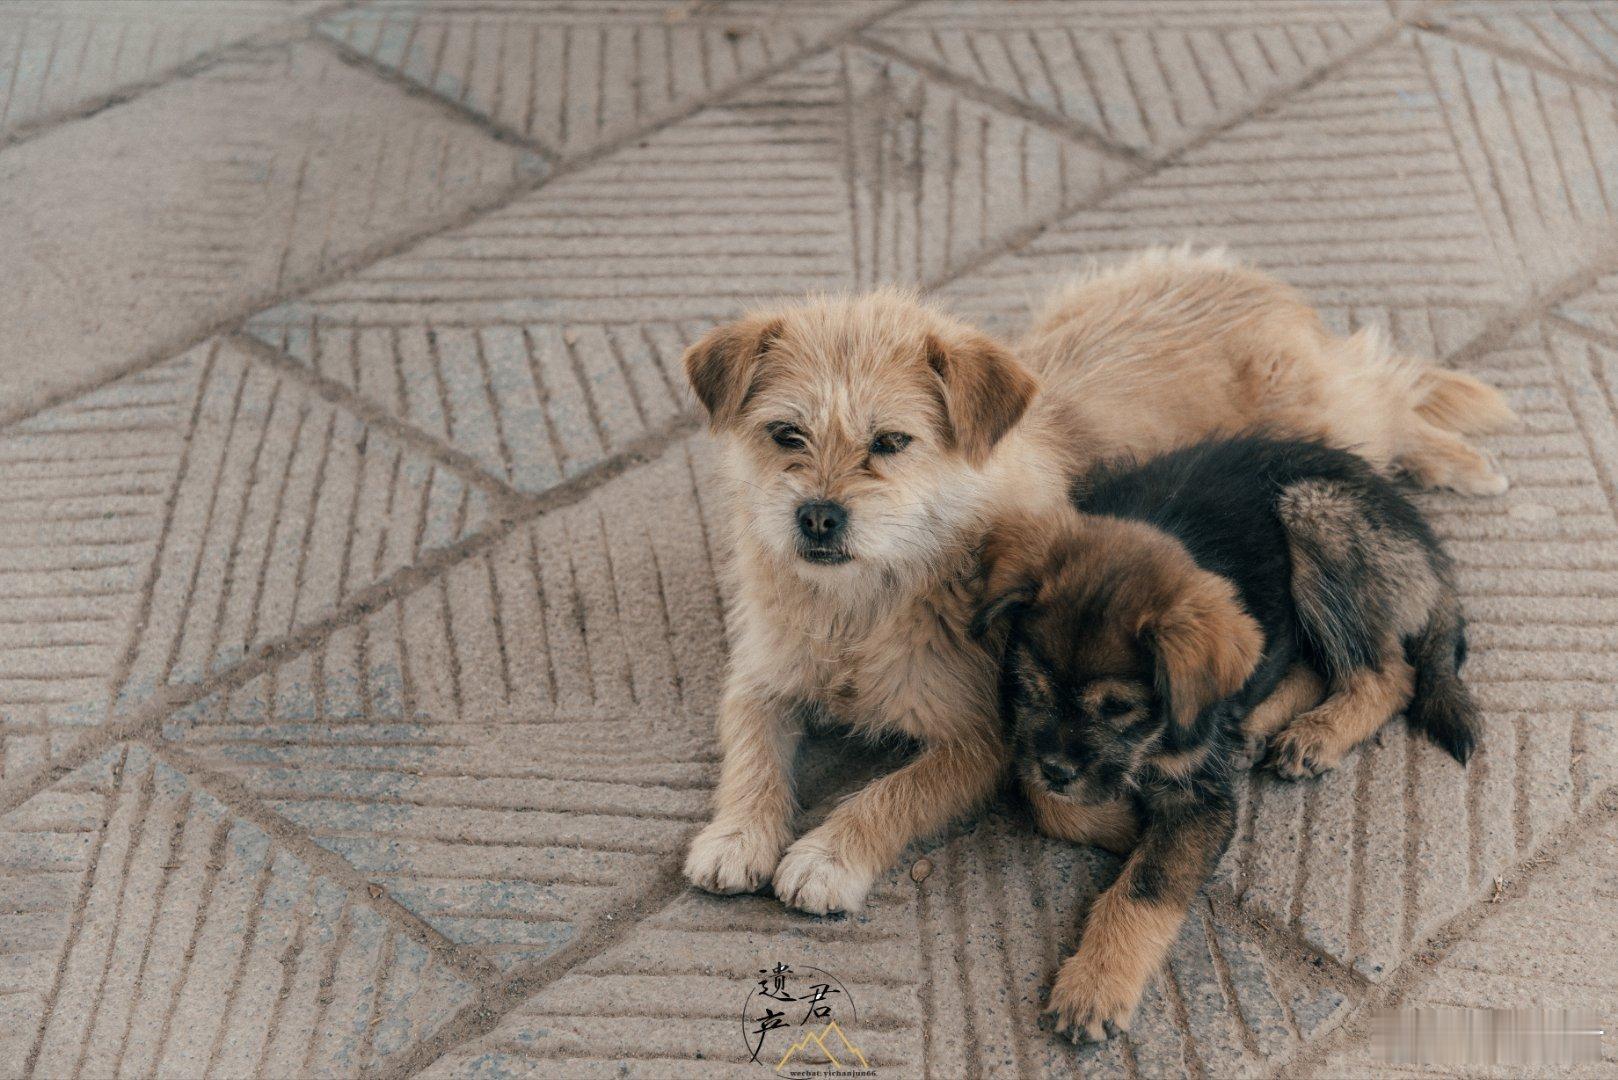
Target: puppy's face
<point>1120,648</point>
<point>1085,714</point>
<point>856,430</point>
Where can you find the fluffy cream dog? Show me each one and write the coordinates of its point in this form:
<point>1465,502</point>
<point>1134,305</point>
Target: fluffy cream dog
<point>869,443</point>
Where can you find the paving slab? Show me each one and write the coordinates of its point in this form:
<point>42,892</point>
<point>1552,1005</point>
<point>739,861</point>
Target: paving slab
<point>1397,190</point>
<point>1146,75</point>
<point>151,931</point>
<point>266,168</point>
<point>545,337</point>
<point>1549,943</point>
<point>160,528</point>
<point>522,748</point>
<point>447,506</point>
<point>938,978</point>
<point>59,57</point>
<point>1577,36</point>
<point>571,77</point>
<point>1596,308</point>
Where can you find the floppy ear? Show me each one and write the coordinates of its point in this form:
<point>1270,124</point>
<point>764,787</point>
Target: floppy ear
<point>1205,647</point>
<point>985,390</point>
<point>722,365</point>
<point>1012,559</point>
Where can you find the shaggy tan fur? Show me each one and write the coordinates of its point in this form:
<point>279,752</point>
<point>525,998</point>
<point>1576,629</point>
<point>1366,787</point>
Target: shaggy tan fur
<point>1164,350</point>
<point>1128,935</point>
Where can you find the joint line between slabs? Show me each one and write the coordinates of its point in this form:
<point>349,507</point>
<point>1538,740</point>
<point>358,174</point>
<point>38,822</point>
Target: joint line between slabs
<point>1154,164</point>
<point>458,461</point>
<point>396,586</point>
<point>293,32</point>
<point>343,268</point>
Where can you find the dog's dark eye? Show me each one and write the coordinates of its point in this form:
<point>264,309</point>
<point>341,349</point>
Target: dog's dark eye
<point>890,442</point>
<point>787,436</point>
<point>1113,707</point>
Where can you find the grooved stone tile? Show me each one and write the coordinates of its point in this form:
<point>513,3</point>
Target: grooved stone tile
<point>572,76</point>
<point>1576,35</point>
<point>1548,948</point>
<point>523,747</point>
<point>59,56</point>
<point>1371,859</point>
<point>149,931</point>
<point>1546,146</point>
<point>130,232</point>
<point>506,754</point>
<point>945,978</point>
<point>85,487</point>
<point>1144,74</point>
<point>545,337</point>
<point>283,506</point>
<point>1352,190</point>
<point>1597,308</point>
<point>159,528</point>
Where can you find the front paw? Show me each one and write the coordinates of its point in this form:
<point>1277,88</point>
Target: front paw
<point>1089,1005</point>
<point>727,858</point>
<point>1302,751</point>
<point>1254,748</point>
<point>815,879</point>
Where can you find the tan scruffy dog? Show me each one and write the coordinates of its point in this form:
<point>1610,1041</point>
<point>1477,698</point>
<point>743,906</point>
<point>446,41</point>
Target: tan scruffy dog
<point>869,444</point>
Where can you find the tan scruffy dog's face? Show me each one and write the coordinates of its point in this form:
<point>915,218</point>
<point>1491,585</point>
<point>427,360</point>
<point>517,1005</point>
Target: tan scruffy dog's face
<point>856,430</point>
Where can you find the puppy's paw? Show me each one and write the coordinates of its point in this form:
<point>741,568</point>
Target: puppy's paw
<point>1469,472</point>
<point>1089,1005</point>
<point>725,858</point>
<point>815,879</point>
<point>1254,747</point>
<point>1487,480</point>
<point>1302,751</point>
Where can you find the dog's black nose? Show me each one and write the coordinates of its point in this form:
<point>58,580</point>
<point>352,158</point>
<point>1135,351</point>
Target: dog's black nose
<point>821,522</point>
<point>1058,772</point>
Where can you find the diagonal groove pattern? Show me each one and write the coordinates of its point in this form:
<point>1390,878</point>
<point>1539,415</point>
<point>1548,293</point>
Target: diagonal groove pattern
<point>507,750</point>
<point>284,506</point>
<point>939,988</point>
<point>1141,77</point>
<point>568,78</point>
<point>441,701</point>
<point>66,56</point>
<point>192,923</point>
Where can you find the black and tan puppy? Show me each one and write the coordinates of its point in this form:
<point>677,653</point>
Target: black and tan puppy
<point>1198,598</point>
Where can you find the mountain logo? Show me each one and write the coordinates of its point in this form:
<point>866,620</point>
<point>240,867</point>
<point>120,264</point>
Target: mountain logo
<point>797,1021</point>
<point>850,1052</point>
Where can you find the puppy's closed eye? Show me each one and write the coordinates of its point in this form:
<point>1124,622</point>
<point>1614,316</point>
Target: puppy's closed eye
<point>1113,707</point>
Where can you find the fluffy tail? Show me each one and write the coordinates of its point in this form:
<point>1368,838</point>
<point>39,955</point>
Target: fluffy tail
<point>1461,403</point>
<point>1442,708</point>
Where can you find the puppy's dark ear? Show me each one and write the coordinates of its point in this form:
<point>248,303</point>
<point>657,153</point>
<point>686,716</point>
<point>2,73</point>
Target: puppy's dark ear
<point>1011,558</point>
<point>1204,644</point>
<point>985,390</point>
<point>723,364</point>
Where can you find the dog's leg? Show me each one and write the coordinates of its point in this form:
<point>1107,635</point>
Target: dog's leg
<point>1133,923</point>
<point>1109,825</point>
<point>834,866</point>
<point>1301,688</point>
<point>1317,740</point>
<point>754,802</point>
<point>1436,458</point>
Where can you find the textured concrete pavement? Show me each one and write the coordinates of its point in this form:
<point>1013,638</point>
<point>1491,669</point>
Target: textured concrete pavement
<point>360,631</point>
